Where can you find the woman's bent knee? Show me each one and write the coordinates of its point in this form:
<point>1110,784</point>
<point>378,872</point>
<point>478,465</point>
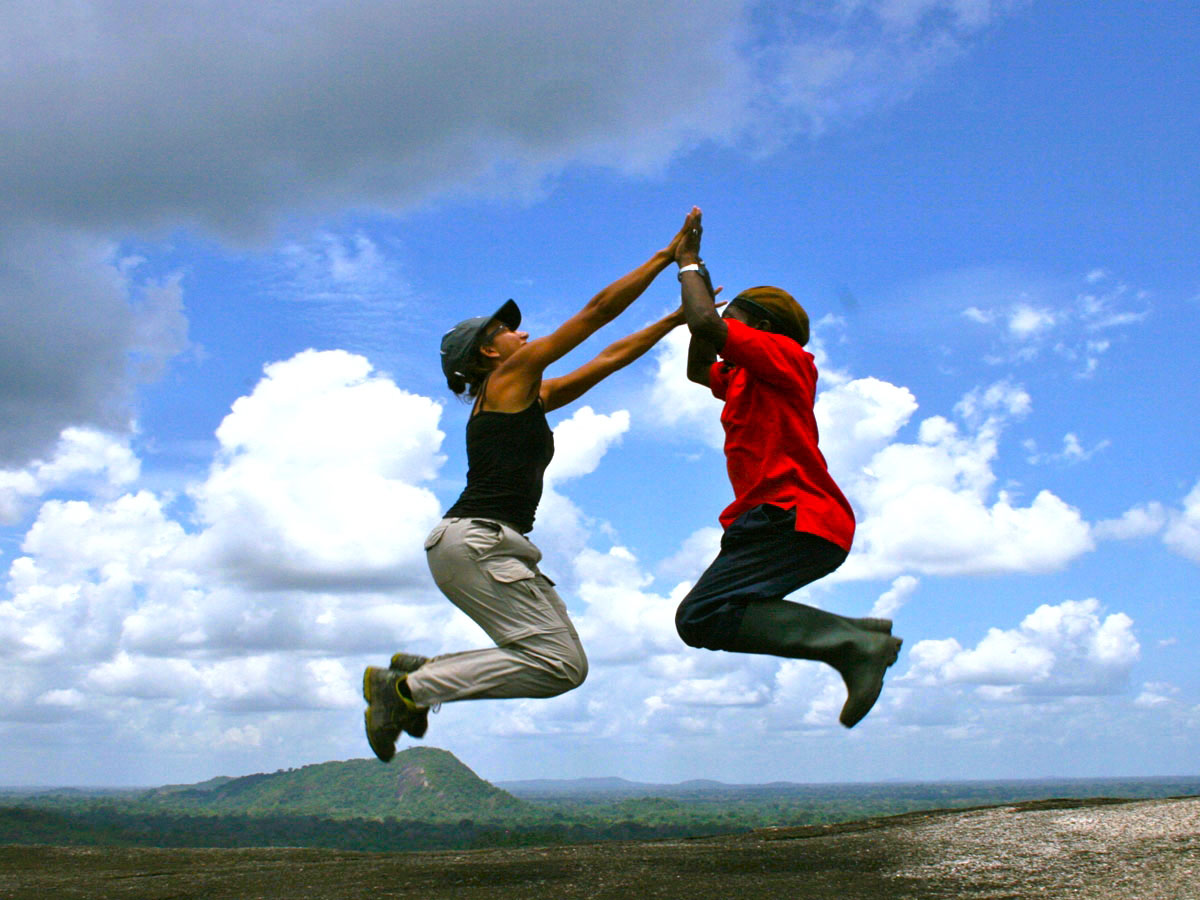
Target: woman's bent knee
<point>574,671</point>
<point>562,666</point>
<point>563,681</point>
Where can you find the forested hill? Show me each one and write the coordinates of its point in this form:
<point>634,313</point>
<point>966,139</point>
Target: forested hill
<point>422,783</point>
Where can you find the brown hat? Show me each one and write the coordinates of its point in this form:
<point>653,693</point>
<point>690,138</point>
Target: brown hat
<point>778,307</point>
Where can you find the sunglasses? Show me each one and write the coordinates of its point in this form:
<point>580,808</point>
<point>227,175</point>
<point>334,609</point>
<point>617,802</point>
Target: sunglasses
<point>491,335</point>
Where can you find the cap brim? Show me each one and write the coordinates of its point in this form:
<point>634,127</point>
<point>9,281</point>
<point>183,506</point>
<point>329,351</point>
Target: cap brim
<point>509,314</point>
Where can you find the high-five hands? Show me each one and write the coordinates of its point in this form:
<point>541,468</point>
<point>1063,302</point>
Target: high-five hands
<point>687,251</point>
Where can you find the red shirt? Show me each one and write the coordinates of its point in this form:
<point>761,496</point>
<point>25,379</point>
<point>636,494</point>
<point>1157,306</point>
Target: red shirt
<point>769,385</point>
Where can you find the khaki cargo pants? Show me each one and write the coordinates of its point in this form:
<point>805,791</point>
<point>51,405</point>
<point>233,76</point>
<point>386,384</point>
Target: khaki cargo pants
<point>489,570</point>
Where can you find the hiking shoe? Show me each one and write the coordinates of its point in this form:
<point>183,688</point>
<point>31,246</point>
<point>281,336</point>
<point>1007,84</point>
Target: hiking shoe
<point>410,662</point>
<point>864,680</point>
<point>389,712</point>
<point>418,724</point>
<point>407,662</point>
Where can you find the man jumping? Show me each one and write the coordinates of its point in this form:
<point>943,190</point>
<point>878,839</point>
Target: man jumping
<point>789,523</point>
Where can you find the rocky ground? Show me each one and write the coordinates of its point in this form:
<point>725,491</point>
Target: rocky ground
<point>1144,850</point>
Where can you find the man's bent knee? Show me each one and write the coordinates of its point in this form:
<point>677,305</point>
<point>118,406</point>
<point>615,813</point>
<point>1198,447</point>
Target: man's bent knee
<point>714,631</point>
<point>691,635</point>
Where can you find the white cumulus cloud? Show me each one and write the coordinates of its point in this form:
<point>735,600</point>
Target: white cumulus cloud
<point>679,404</point>
<point>1026,321</point>
<point>622,619</point>
<point>581,441</point>
<point>858,419</point>
<point>317,487</point>
<point>1137,522</point>
<point>928,506</point>
<point>318,478</point>
<point>896,596</point>
<point>100,461</point>
<point>1063,650</point>
<point>1183,529</point>
<point>83,569</point>
<point>1079,326</point>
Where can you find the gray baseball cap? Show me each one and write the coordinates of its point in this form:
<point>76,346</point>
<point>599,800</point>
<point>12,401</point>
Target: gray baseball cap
<point>460,341</point>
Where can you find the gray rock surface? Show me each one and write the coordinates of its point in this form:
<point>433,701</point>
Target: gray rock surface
<point>1107,850</point>
<point>1139,851</point>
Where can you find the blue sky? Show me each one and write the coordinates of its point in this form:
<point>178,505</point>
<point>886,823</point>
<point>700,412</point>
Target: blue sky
<point>233,237</point>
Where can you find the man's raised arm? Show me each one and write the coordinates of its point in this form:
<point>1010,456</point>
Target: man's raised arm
<point>699,302</point>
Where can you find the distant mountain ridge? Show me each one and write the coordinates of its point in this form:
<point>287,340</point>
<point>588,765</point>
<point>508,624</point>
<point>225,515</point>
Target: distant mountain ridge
<point>423,783</point>
<point>609,786</point>
<point>542,790</point>
<point>614,782</point>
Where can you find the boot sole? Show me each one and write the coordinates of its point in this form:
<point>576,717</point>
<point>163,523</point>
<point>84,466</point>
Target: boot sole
<point>367,686</point>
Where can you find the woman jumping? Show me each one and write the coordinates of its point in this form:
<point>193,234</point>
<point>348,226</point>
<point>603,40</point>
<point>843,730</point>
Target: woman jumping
<point>479,554</point>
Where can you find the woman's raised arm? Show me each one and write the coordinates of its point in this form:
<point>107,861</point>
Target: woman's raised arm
<point>525,367</point>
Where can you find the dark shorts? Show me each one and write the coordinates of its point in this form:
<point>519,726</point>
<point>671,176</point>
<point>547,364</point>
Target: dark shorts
<point>762,557</point>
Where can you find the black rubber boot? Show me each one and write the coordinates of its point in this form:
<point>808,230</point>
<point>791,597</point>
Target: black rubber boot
<point>860,654</point>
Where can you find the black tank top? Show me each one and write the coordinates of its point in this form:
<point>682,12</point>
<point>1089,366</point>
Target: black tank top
<point>507,455</point>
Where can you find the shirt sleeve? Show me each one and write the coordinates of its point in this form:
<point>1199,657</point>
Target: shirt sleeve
<point>774,358</point>
<point>718,379</point>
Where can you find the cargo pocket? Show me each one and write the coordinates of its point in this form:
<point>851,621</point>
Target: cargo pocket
<point>482,535</point>
<point>526,604</point>
<point>436,535</point>
<point>507,569</point>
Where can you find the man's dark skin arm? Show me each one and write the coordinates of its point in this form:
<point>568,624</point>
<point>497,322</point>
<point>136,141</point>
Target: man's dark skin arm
<point>699,307</point>
<point>701,356</point>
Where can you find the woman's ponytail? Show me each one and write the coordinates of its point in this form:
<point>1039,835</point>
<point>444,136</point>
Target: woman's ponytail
<point>470,380</point>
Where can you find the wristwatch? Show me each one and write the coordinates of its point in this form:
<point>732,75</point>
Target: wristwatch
<point>694,267</point>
